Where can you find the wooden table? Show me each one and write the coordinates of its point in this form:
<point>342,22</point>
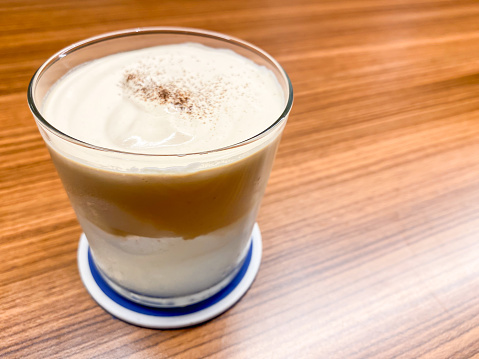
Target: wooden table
<point>371,217</point>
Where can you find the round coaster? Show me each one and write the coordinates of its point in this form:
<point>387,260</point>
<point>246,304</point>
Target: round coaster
<point>168,318</point>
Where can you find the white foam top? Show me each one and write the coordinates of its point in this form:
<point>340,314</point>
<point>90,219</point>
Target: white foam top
<point>170,99</point>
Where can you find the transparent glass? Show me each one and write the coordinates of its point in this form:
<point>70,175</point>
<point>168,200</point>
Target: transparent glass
<point>162,237</point>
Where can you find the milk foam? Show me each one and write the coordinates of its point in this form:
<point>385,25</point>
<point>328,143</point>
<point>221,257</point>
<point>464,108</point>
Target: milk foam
<point>172,99</point>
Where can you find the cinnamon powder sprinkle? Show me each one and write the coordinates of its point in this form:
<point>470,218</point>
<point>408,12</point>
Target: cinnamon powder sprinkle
<point>149,91</point>
<point>197,96</point>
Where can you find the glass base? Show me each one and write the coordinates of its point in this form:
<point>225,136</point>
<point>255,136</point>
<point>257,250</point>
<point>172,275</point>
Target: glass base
<point>172,302</point>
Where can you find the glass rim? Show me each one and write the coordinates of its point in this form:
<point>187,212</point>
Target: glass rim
<point>157,30</point>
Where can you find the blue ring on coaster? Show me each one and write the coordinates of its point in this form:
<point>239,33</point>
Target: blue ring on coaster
<point>168,318</point>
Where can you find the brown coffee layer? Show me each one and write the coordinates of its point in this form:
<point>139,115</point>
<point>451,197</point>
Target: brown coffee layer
<point>171,205</point>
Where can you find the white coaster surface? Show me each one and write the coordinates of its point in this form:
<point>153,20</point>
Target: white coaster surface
<point>168,318</point>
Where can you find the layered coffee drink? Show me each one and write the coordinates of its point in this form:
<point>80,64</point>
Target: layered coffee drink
<point>170,160</point>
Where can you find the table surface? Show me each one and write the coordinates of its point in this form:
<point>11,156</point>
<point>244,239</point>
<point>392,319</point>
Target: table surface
<point>370,220</point>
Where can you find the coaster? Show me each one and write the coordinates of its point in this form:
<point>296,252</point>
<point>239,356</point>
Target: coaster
<point>169,318</point>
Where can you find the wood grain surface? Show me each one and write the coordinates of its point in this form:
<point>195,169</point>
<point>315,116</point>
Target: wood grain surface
<point>371,217</point>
